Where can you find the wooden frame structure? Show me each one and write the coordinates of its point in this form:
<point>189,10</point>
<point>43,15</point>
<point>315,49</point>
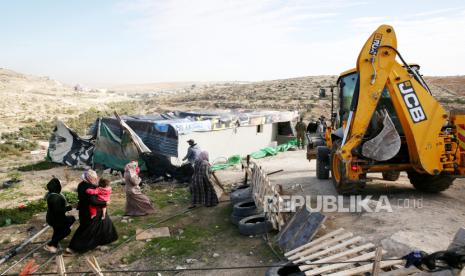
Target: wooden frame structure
<point>342,251</point>
<point>267,195</point>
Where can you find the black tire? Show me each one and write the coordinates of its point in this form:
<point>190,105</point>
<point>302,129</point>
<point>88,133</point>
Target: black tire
<point>255,225</point>
<point>244,208</point>
<point>430,183</point>
<point>391,175</point>
<point>241,195</point>
<point>240,187</point>
<point>316,141</point>
<point>322,162</point>
<point>341,184</point>
<point>284,268</point>
<point>235,219</point>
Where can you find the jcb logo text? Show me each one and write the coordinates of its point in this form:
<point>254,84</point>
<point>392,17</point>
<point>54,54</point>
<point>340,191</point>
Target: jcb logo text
<point>411,101</point>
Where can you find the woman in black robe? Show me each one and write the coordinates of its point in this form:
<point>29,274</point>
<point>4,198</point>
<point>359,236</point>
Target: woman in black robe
<point>56,215</point>
<point>91,232</point>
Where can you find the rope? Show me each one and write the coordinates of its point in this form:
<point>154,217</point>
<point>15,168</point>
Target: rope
<point>205,268</point>
<point>124,242</point>
<point>25,257</point>
<point>152,225</point>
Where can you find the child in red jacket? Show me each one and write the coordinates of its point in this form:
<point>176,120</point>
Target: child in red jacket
<point>103,192</point>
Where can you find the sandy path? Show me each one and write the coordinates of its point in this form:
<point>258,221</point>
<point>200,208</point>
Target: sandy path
<point>430,227</point>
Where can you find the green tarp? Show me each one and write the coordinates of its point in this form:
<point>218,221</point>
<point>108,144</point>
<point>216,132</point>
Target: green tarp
<point>114,152</point>
<point>268,151</point>
<point>233,160</point>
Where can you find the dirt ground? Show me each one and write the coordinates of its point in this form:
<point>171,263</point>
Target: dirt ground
<point>418,220</point>
<point>429,225</point>
<point>203,237</point>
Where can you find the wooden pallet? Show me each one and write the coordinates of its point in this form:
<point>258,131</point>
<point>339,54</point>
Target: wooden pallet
<point>267,196</point>
<point>338,246</point>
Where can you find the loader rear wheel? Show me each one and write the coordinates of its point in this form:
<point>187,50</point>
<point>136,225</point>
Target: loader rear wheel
<point>337,172</point>
<point>391,175</point>
<point>430,183</point>
<point>322,162</point>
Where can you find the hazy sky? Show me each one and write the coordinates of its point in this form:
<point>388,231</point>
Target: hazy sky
<point>110,42</point>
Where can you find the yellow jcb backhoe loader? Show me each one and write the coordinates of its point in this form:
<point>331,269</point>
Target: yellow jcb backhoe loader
<point>386,120</point>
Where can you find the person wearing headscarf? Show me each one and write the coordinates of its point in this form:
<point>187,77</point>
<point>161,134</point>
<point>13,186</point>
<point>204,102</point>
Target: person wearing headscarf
<point>201,187</point>
<point>56,215</point>
<point>137,204</point>
<point>91,232</point>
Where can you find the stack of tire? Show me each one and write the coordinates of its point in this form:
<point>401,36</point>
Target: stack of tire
<point>245,213</point>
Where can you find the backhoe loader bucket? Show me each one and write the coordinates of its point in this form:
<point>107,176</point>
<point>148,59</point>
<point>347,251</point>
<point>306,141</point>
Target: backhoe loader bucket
<point>385,145</point>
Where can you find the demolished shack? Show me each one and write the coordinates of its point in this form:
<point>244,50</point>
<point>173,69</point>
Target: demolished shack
<point>221,133</point>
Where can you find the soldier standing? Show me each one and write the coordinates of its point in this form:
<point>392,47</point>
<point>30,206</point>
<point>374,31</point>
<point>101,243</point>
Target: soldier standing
<point>300,128</point>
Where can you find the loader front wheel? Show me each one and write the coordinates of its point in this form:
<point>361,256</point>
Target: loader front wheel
<point>322,162</point>
<point>391,175</point>
<point>337,174</point>
<point>430,183</point>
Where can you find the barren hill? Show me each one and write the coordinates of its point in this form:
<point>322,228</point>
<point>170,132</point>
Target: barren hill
<point>26,99</point>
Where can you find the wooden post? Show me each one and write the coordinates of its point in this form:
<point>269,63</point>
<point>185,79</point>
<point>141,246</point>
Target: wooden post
<point>61,270</point>
<point>94,266</point>
<point>378,256</point>
<point>246,169</point>
<point>218,181</point>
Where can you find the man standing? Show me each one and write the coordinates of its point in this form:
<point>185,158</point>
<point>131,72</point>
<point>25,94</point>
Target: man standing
<point>300,128</point>
<point>192,152</point>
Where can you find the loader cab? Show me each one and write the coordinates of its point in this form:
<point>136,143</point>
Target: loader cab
<point>346,84</point>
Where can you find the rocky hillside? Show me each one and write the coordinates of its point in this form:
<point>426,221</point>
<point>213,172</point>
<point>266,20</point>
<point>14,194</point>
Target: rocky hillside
<point>27,99</point>
<point>290,94</point>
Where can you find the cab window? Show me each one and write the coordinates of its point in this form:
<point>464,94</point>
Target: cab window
<point>347,85</point>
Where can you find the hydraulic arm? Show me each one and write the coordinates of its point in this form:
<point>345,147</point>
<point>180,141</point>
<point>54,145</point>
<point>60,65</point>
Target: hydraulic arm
<point>421,116</point>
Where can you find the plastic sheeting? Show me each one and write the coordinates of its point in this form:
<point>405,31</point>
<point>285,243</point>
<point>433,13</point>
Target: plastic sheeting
<point>233,160</point>
<point>271,151</point>
<point>67,148</point>
<point>268,151</point>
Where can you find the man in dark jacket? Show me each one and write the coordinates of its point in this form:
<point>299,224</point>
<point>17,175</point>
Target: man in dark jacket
<point>56,215</point>
<point>192,152</point>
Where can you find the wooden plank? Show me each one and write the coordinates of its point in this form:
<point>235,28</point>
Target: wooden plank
<point>314,242</point>
<point>326,268</point>
<point>294,225</point>
<point>364,268</point>
<point>330,249</point>
<point>94,260</point>
<point>378,256</point>
<point>302,231</point>
<point>335,257</point>
<point>308,230</point>
<point>94,267</point>
<point>320,246</point>
<point>61,270</point>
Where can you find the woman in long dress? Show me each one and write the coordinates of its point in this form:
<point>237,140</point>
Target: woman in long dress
<point>201,188</point>
<point>137,204</point>
<point>91,232</point>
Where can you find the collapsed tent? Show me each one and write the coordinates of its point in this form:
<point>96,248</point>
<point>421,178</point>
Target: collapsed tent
<point>66,147</point>
<point>223,133</point>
